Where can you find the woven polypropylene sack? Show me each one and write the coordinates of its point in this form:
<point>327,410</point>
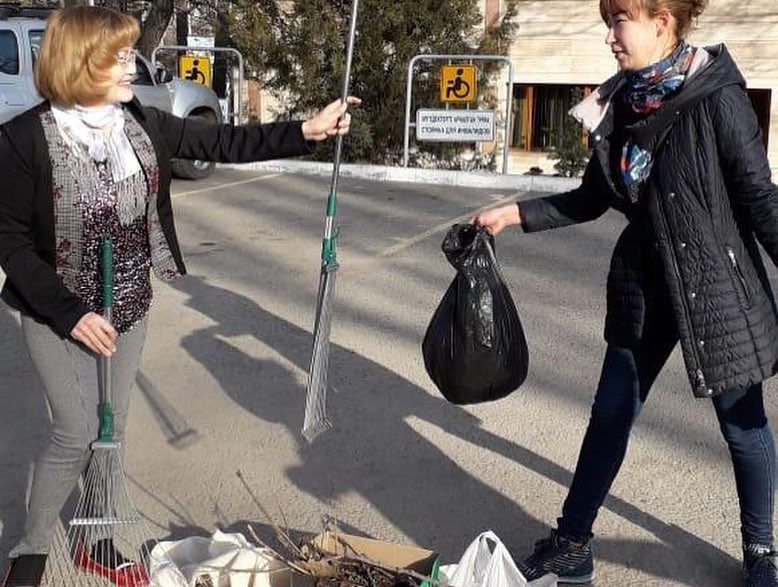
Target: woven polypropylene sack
<point>474,348</point>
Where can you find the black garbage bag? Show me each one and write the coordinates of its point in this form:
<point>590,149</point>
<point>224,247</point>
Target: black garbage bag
<point>474,348</point>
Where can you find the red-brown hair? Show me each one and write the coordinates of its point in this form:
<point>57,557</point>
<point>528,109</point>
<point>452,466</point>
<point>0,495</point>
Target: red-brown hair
<point>684,11</point>
<point>79,46</point>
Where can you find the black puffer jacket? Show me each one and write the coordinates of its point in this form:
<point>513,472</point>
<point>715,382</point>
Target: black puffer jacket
<point>708,199</point>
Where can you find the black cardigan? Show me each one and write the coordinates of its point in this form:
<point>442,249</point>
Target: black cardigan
<point>27,239</point>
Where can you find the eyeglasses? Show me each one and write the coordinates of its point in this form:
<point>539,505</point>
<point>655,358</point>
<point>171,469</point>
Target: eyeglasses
<point>127,57</point>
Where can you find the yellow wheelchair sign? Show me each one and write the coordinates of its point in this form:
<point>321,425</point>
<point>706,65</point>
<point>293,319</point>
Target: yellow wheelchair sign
<point>458,83</point>
<point>195,68</point>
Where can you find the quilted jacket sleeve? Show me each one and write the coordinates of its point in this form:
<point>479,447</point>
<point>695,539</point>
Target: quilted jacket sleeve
<point>745,166</point>
<point>582,204</point>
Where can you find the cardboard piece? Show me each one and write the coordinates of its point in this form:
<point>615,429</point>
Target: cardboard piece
<point>400,556</point>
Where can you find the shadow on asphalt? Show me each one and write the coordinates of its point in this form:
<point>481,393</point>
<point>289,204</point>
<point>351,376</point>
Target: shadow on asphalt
<point>374,448</point>
<point>178,433</point>
<point>24,428</point>
<point>427,508</point>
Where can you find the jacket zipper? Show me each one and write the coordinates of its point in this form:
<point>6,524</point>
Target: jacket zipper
<point>739,274</point>
<point>700,376</point>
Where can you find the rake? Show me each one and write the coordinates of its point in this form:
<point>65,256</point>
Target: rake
<point>105,526</point>
<point>316,420</point>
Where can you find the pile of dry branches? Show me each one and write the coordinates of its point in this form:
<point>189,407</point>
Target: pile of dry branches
<point>323,568</point>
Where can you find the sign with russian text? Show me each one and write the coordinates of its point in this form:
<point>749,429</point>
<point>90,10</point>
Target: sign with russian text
<point>455,126</point>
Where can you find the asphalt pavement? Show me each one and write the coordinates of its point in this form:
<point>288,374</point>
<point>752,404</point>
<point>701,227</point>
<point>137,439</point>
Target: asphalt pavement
<point>222,389</point>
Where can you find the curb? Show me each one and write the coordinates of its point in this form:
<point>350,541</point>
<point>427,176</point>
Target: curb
<point>473,179</point>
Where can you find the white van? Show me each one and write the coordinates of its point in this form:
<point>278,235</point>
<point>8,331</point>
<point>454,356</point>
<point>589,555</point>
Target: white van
<point>21,31</point>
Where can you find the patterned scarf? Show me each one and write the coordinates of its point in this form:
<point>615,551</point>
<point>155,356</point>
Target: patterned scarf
<point>645,91</point>
<point>99,133</point>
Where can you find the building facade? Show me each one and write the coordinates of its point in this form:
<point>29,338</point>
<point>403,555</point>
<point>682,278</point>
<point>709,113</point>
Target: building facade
<point>559,52</point>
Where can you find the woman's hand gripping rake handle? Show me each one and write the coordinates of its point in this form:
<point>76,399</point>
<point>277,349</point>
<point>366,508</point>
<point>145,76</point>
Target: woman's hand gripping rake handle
<point>329,252</point>
<point>315,421</point>
<point>106,410</point>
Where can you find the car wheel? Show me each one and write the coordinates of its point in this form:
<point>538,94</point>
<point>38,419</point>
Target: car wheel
<point>195,169</point>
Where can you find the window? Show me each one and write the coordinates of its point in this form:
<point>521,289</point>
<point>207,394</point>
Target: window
<point>551,106</point>
<point>9,53</point>
<point>540,111</point>
<point>36,37</point>
<point>521,110</point>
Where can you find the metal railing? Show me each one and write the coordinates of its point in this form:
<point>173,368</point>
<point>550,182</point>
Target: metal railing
<point>239,114</point>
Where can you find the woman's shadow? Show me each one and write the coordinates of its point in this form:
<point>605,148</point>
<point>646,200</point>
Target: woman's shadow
<point>376,449</point>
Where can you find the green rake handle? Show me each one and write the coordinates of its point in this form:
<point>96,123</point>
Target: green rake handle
<point>107,267</point>
<point>106,410</point>
<point>328,247</point>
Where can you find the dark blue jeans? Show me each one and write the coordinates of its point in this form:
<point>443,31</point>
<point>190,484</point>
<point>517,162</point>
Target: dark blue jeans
<point>627,376</point>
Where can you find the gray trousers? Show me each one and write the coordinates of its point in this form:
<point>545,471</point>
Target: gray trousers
<point>70,376</point>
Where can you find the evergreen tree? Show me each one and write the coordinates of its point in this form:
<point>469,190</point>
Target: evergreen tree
<point>153,16</point>
<point>299,46</point>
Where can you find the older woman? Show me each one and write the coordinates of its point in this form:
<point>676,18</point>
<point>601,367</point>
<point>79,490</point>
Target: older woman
<point>89,161</point>
<point>678,150</point>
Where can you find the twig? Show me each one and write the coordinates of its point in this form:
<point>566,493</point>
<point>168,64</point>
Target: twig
<point>395,570</point>
<point>287,532</point>
<point>277,555</point>
<point>359,557</point>
<point>312,560</point>
<point>282,537</point>
<point>329,523</point>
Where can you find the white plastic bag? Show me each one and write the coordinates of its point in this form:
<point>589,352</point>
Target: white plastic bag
<point>228,560</point>
<point>487,563</point>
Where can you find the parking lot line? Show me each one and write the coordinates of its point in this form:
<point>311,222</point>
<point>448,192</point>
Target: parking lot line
<point>438,228</point>
<point>220,186</point>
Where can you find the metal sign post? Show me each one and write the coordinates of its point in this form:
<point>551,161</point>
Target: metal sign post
<point>455,87</point>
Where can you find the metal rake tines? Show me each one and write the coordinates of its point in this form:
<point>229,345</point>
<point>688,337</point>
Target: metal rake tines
<point>106,541</point>
<point>104,493</point>
<point>316,421</point>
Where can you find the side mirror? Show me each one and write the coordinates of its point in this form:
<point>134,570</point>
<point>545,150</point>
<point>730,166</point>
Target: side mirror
<point>162,75</point>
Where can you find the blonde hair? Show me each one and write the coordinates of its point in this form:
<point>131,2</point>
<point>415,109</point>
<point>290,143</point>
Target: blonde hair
<point>79,47</point>
<point>684,11</point>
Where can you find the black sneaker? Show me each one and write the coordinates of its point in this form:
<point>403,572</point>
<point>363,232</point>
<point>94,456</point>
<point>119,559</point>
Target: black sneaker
<point>571,561</point>
<point>759,566</point>
<point>25,570</point>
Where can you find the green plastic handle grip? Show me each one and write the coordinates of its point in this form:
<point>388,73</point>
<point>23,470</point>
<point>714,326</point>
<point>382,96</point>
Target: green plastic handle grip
<point>106,423</point>
<point>107,257</point>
